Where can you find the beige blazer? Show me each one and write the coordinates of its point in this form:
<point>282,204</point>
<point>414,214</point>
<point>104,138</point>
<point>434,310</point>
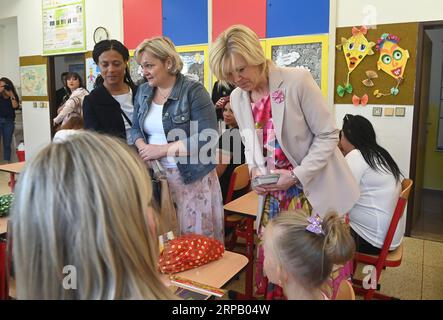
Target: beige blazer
<point>308,136</point>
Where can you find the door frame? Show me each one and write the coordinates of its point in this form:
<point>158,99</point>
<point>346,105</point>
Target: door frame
<point>422,27</point>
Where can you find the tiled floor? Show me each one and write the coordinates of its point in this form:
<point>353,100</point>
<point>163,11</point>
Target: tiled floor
<point>420,276</point>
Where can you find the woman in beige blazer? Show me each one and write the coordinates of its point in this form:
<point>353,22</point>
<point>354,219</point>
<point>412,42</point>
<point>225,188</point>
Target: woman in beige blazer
<point>287,129</point>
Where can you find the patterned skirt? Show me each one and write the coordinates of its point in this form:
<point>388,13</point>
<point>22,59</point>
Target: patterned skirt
<point>199,205</point>
<point>275,203</point>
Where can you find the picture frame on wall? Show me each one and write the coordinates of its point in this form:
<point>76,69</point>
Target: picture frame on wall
<point>195,63</point>
<point>377,111</point>
<point>306,52</point>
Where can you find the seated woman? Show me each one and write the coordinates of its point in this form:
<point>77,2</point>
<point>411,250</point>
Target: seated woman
<point>73,104</point>
<point>300,252</point>
<point>77,233</point>
<point>231,151</point>
<point>379,178</point>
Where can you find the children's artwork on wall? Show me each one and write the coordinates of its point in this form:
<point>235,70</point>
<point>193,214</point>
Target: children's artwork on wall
<point>355,49</point>
<point>307,52</point>
<point>92,71</point>
<point>392,60</point>
<point>370,74</point>
<point>363,101</point>
<point>195,63</point>
<point>374,77</point>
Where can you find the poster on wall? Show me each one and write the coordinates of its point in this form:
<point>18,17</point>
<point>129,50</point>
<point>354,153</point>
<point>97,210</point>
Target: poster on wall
<point>195,63</point>
<point>92,71</point>
<point>34,81</point>
<point>305,52</point>
<point>63,26</point>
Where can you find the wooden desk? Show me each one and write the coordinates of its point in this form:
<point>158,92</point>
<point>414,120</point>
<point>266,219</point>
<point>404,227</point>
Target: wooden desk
<point>217,273</point>
<point>246,206</point>
<point>3,225</point>
<point>13,169</point>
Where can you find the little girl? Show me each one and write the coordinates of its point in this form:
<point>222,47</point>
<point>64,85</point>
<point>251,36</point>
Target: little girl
<point>300,252</point>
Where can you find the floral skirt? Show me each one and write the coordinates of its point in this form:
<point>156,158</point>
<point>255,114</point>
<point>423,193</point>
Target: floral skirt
<point>275,203</point>
<point>199,205</point>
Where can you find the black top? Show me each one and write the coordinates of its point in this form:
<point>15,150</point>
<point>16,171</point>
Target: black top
<point>219,92</point>
<point>102,113</point>
<point>59,95</point>
<point>6,109</point>
<point>230,141</point>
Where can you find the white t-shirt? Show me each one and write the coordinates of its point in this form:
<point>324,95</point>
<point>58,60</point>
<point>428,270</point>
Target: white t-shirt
<point>371,215</point>
<point>127,106</point>
<point>153,127</point>
<point>61,135</point>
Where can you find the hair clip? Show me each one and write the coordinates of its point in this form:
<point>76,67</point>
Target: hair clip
<point>315,223</point>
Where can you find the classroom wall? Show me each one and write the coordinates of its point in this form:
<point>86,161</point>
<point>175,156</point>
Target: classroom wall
<point>110,14</point>
<point>358,12</point>
<point>9,64</point>
<point>433,175</point>
<point>36,121</point>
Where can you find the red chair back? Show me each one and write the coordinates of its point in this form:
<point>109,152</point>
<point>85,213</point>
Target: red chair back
<point>380,261</point>
<point>239,180</point>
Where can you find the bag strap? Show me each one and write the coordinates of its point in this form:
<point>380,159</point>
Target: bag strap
<point>125,116</point>
<point>157,168</point>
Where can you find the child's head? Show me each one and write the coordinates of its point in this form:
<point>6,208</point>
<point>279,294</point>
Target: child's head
<point>305,256</point>
<point>84,203</point>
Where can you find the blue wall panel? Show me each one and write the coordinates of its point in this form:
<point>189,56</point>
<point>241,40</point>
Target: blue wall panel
<point>186,22</point>
<point>296,17</point>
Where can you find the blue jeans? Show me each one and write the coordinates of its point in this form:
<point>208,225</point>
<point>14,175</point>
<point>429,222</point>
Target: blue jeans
<point>6,131</point>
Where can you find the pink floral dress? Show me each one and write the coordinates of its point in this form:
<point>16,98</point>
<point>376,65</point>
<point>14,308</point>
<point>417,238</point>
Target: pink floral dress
<point>278,201</point>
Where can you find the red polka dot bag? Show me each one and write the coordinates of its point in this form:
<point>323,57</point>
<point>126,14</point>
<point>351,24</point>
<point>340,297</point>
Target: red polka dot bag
<point>189,251</point>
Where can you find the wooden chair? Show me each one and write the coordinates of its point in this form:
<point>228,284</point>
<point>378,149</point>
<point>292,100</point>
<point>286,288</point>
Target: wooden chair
<point>239,180</point>
<point>345,291</point>
<point>385,258</point>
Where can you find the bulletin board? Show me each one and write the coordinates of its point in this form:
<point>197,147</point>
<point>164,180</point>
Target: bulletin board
<point>64,26</point>
<point>34,78</point>
<point>195,63</point>
<point>408,34</point>
<point>307,52</point>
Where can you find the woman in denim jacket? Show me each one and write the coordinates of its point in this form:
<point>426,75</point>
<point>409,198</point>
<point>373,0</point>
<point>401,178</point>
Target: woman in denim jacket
<point>174,122</point>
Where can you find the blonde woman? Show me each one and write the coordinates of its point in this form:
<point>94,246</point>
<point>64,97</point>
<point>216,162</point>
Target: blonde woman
<point>300,252</point>
<point>174,122</point>
<point>81,224</point>
<point>287,130</point>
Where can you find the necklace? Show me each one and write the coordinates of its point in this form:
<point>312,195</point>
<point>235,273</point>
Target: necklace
<point>164,96</point>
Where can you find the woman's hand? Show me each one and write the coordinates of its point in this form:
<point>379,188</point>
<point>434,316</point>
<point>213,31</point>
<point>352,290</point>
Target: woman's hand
<point>255,172</point>
<point>220,103</point>
<point>285,181</point>
<point>153,151</point>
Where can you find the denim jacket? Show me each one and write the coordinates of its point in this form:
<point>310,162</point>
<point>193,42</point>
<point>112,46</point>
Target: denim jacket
<point>188,101</point>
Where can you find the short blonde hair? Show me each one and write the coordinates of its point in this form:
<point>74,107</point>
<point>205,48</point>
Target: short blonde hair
<point>237,39</point>
<point>162,48</point>
<point>84,203</point>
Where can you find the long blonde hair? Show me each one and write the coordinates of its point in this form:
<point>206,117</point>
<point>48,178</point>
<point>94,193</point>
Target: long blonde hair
<point>83,203</point>
<point>241,40</point>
